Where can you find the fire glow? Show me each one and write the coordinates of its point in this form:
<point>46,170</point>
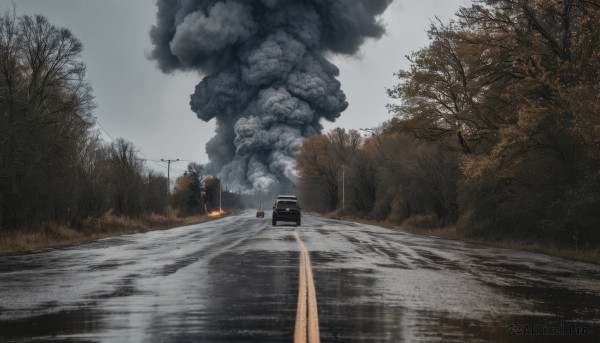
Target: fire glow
<point>216,213</point>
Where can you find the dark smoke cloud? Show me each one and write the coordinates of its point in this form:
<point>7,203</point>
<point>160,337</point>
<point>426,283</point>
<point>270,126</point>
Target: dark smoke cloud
<point>267,83</point>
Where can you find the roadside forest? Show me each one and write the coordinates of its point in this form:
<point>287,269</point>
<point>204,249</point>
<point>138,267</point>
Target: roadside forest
<point>53,165</point>
<point>495,131</point>
<point>56,173</point>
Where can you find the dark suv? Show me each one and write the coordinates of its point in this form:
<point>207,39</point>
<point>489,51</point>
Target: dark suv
<point>286,210</point>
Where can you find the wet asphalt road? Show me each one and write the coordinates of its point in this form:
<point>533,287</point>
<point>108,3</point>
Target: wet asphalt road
<point>236,280</point>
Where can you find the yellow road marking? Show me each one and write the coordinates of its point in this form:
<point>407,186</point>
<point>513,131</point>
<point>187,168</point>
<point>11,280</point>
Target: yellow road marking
<point>300,332</point>
<point>306,295</point>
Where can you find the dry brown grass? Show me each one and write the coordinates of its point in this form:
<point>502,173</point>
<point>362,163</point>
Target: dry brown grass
<point>43,235</point>
<point>51,234</point>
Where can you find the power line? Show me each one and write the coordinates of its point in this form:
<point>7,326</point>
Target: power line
<point>143,154</point>
<point>155,161</point>
<point>113,139</point>
<point>103,129</point>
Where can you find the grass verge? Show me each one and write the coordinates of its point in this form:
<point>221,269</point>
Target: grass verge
<point>109,225</point>
<point>589,255</point>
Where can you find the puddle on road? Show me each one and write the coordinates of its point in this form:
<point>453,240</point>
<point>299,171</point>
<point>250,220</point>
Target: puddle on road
<point>352,309</point>
<point>109,265</point>
<point>69,322</point>
<point>124,288</point>
<point>250,294</point>
<point>361,300</point>
<point>560,302</point>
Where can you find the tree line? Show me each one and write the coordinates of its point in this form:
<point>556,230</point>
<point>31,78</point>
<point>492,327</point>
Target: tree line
<point>496,130</point>
<point>194,193</point>
<point>53,165</point>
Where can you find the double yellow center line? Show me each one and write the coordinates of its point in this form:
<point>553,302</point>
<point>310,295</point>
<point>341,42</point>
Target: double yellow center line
<point>307,322</point>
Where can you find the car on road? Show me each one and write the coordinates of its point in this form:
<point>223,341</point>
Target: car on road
<point>260,213</point>
<point>286,210</point>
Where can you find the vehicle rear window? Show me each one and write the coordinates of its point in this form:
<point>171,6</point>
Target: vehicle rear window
<point>286,204</point>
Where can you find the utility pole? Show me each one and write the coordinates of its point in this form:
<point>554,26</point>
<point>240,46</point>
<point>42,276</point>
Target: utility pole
<point>169,173</point>
<point>220,191</point>
<point>343,187</point>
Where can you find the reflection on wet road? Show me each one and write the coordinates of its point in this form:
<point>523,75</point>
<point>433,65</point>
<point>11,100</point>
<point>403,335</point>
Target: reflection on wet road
<point>236,280</point>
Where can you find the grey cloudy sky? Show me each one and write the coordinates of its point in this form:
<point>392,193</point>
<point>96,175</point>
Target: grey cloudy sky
<point>138,102</point>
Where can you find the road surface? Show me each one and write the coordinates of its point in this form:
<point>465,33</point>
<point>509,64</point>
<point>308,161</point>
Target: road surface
<point>238,279</point>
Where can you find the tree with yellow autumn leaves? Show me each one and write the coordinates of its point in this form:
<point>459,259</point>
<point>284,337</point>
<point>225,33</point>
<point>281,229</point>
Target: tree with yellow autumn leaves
<point>496,125</point>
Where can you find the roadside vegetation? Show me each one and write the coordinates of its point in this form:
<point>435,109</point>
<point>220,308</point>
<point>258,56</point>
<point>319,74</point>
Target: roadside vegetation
<point>59,182</point>
<point>50,234</point>
<point>495,136</point>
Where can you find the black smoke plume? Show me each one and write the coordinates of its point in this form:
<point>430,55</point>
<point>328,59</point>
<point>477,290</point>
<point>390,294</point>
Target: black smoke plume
<point>267,82</point>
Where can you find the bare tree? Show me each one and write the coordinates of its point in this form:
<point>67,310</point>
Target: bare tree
<point>45,117</point>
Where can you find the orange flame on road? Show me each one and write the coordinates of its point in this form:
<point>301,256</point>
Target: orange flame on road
<point>216,213</point>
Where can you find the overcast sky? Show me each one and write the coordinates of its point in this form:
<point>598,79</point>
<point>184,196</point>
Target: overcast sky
<point>138,102</point>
